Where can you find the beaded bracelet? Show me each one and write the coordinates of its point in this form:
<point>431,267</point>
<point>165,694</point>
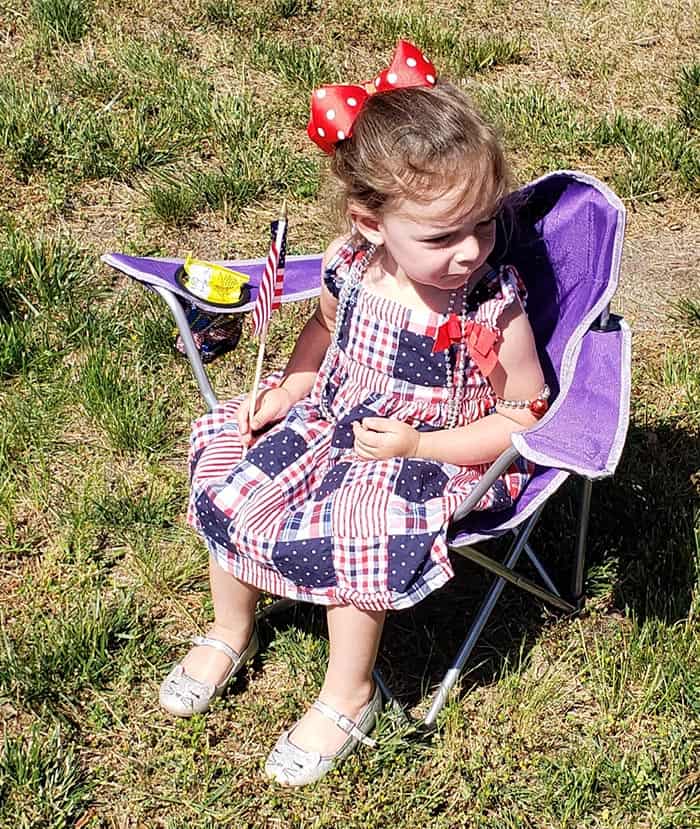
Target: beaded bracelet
<point>538,406</point>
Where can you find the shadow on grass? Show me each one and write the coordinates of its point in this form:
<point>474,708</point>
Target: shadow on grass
<point>641,557</point>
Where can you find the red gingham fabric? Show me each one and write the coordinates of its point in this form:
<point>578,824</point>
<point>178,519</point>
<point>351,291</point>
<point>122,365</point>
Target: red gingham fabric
<point>301,515</point>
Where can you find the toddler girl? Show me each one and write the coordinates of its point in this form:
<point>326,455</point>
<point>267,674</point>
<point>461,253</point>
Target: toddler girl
<point>406,383</point>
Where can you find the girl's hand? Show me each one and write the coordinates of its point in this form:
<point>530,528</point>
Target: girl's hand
<point>272,406</point>
<point>377,438</point>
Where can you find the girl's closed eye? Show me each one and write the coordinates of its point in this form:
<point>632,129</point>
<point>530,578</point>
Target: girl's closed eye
<point>479,229</point>
<point>438,240</point>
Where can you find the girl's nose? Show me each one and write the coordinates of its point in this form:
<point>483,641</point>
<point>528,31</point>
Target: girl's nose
<point>468,250</point>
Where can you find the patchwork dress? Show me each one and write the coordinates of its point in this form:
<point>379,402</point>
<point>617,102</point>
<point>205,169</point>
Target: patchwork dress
<point>303,516</point>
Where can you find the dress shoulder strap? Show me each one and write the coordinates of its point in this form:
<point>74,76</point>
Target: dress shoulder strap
<point>343,262</point>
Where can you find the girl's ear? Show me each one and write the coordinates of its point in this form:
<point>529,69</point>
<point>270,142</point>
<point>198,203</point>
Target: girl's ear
<point>367,224</point>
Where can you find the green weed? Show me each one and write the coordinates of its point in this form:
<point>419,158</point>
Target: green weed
<point>533,116</point>
<point>244,17</point>
<point>32,125</point>
<point>15,345</point>
<point>68,20</point>
<point>688,311</point>
<point>169,564</point>
<point>97,79</point>
<point>462,55</point>
<point>223,12</point>
<point>287,9</point>
<point>126,505</point>
<point>30,418</point>
<point>689,96</point>
<point>172,201</point>
<point>302,65</point>
<point>126,404</point>
<point>51,658</point>
<point>689,167</point>
<point>255,163</point>
<point>39,273</point>
<point>42,781</point>
<point>304,654</point>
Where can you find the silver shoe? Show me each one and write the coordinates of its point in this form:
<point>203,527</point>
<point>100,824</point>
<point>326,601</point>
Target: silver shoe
<point>292,766</point>
<point>182,695</point>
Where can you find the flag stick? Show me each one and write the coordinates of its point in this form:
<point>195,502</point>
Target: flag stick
<point>281,227</point>
<point>258,373</point>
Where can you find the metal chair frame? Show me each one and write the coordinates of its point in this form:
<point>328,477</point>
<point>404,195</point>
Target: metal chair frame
<point>505,572</point>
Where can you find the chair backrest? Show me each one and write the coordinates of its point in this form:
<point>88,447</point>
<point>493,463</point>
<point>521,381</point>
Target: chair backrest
<point>566,243</point>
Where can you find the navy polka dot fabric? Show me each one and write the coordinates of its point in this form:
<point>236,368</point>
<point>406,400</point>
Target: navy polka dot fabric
<point>409,560</point>
<point>416,364</point>
<point>213,521</point>
<point>301,513</point>
<point>277,451</point>
<point>331,481</point>
<point>306,561</point>
<point>343,437</point>
<point>419,481</point>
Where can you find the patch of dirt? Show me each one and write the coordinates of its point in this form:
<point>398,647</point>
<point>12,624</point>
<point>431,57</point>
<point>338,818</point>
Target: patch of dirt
<point>660,265</point>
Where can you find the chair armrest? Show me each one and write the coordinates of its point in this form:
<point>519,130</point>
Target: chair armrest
<point>585,429</point>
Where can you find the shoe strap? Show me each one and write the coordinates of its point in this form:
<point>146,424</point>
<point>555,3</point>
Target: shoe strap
<point>344,723</point>
<point>218,644</point>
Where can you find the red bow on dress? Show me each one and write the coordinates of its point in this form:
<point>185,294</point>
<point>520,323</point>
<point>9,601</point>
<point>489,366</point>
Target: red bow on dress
<point>335,107</point>
<point>480,341</point>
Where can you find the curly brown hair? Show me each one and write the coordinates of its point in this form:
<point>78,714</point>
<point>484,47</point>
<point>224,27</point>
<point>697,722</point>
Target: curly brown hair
<point>419,143</point>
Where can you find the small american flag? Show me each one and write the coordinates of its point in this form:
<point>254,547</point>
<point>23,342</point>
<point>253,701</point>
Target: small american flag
<point>270,291</point>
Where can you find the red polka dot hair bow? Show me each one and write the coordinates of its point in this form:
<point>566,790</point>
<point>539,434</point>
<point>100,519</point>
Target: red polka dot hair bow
<point>335,107</point>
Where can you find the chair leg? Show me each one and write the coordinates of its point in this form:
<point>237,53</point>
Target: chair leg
<point>584,513</point>
<point>454,672</point>
<point>190,348</point>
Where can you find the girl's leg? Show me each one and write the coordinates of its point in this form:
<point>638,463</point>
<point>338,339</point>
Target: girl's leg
<point>354,638</point>
<point>234,617</point>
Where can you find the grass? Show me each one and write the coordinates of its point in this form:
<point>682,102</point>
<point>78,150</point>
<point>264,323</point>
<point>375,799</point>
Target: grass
<point>159,129</point>
<point>463,55</point>
<point>302,65</point>
<point>42,781</point>
<point>689,96</point>
<point>66,20</point>
<point>124,404</point>
<point>49,662</point>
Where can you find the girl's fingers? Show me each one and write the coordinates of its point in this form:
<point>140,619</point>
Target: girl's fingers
<point>376,424</point>
<point>242,416</point>
<point>263,414</point>
<point>372,438</point>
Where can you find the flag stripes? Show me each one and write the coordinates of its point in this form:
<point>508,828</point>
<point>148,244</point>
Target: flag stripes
<point>271,284</point>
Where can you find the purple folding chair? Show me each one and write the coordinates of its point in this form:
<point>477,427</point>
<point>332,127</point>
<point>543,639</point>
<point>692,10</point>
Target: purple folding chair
<point>567,244</point>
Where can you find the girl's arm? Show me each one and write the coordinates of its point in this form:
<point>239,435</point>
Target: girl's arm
<point>312,344</point>
<point>517,376</point>
<point>310,349</point>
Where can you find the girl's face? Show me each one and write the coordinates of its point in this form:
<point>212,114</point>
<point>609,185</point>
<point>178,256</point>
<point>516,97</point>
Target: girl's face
<point>438,245</point>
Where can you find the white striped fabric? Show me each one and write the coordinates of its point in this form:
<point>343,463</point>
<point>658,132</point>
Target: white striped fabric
<point>270,291</point>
